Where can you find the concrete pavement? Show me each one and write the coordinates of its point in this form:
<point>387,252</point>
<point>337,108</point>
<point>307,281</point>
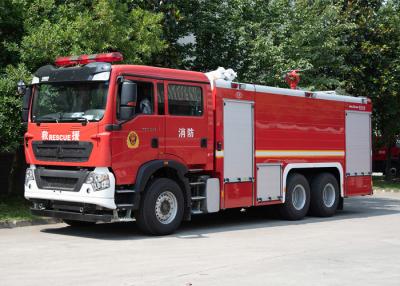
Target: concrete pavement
<point>359,246</point>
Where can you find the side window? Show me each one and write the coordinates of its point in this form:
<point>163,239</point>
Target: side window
<point>160,96</point>
<point>185,100</point>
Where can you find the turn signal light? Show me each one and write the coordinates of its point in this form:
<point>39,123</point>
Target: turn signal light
<point>85,59</point>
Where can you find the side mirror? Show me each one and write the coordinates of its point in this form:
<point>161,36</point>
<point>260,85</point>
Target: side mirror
<point>21,87</point>
<point>128,93</point>
<point>128,100</point>
<point>26,103</point>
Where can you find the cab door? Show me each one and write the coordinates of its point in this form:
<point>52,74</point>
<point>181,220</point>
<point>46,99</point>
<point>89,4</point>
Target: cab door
<point>186,122</point>
<point>138,139</point>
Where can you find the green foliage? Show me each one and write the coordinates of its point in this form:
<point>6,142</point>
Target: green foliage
<point>10,126</point>
<point>381,184</point>
<point>10,30</point>
<point>14,208</point>
<point>374,62</point>
<point>262,40</point>
<point>78,27</point>
<point>306,36</point>
<point>178,19</point>
<point>11,129</point>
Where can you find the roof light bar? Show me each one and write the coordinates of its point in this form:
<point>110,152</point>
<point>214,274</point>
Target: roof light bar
<point>85,59</point>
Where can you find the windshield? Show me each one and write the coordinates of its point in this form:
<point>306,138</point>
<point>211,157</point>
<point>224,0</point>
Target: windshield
<point>57,102</point>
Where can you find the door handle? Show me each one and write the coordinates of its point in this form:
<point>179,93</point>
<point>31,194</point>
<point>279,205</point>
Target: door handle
<point>154,143</point>
<point>113,127</point>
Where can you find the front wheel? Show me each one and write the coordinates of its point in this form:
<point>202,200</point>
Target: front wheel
<point>161,209</point>
<point>297,198</point>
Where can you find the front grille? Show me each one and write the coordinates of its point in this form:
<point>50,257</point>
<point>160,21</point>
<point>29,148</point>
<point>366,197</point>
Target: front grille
<point>59,183</point>
<point>65,151</point>
<point>63,180</point>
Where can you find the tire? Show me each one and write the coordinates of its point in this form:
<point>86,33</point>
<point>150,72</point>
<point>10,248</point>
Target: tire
<point>161,209</point>
<point>297,198</point>
<point>324,195</point>
<point>78,223</point>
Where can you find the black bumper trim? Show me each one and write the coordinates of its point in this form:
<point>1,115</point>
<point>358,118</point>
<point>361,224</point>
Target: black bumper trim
<point>72,215</point>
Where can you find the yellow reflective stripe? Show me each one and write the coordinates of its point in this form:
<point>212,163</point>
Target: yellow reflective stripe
<point>292,153</point>
<point>300,153</point>
<point>219,154</point>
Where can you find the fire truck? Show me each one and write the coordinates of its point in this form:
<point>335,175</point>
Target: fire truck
<point>379,158</point>
<point>110,142</point>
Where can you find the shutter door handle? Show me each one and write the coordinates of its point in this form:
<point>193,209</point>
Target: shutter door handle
<point>219,146</point>
<point>203,143</point>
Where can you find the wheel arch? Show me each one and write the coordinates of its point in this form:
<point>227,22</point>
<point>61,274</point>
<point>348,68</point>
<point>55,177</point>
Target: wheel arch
<point>311,169</point>
<point>165,169</point>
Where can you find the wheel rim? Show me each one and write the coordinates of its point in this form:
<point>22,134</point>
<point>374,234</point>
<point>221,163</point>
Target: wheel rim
<point>166,207</point>
<point>329,195</point>
<point>299,197</point>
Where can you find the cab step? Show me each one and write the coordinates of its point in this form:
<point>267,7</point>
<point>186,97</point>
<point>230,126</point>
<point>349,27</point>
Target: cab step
<point>195,212</point>
<point>125,191</point>
<point>124,206</point>
<point>195,170</point>
<point>197,198</point>
<point>197,183</point>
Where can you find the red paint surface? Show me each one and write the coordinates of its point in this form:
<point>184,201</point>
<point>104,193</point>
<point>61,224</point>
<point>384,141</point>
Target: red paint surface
<point>360,185</point>
<point>238,194</point>
<point>292,123</point>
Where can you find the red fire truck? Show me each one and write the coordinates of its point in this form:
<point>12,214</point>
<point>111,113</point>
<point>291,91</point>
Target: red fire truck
<point>109,143</point>
<point>379,159</point>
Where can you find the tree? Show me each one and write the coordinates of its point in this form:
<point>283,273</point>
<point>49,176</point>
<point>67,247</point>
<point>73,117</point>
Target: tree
<point>262,40</point>
<point>78,27</point>
<point>11,29</point>
<point>374,63</point>
<point>11,129</point>
<point>305,35</point>
<point>177,23</point>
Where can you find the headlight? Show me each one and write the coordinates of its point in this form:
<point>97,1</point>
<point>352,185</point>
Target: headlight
<point>29,176</point>
<point>98,181</point>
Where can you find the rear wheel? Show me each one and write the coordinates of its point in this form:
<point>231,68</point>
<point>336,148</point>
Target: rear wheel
<point>297,198</point>
<point>324,195</point>
<point>161,209</point>
<point>78,223</point>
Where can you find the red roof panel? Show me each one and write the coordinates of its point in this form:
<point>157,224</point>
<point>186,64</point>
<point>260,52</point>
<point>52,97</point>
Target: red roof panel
<point>161,72</point>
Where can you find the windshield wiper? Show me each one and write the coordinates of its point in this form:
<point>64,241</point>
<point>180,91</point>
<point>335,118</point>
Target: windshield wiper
<point>47,118</point>
<point>61,118</point>
<point>82,119</point>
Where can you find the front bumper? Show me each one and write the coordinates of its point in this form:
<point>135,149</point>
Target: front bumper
<point>73,215</point>
<point>85,195</point>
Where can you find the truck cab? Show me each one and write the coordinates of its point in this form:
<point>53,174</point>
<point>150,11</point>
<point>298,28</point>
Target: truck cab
<point>99,135</point>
